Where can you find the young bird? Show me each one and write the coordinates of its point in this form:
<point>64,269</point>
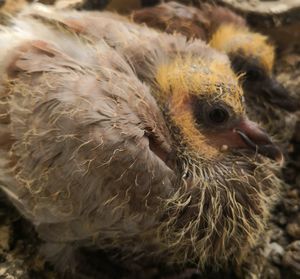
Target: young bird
<point>96,160</point>
<point>251,55</point>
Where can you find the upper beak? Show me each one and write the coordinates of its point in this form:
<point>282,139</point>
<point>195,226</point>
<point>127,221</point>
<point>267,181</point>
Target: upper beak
<point>279,96</point>
<point>253,137</point>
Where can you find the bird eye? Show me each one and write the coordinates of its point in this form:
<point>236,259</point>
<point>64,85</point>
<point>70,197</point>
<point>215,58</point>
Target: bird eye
<point>218,115</point>
<point>211,115</point>
<point>253,75</point>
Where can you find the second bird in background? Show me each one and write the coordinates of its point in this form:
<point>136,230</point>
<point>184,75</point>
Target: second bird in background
<point>251,54</point>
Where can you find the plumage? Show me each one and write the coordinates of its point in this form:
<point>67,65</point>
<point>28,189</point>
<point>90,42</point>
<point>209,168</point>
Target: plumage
<point>251,54</point>
<point>170,170</point>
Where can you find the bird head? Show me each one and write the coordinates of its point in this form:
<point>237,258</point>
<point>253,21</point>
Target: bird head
<point>253,56</point>
<point>205,102</point>
<point>226,189</point>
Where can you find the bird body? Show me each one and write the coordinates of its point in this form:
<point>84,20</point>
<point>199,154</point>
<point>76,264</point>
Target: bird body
<point>170,170</point>
<point>52,93</point>
<point>192,22</point>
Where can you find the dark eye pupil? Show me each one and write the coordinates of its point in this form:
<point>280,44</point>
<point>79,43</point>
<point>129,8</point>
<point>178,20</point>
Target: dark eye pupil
<point>218,115</point>
<point>253,75</point>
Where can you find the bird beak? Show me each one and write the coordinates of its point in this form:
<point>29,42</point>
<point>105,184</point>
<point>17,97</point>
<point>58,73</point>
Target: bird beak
<point>279,96</point>
<point>251,136</point>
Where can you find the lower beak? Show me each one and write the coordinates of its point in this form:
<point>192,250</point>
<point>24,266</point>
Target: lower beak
<point>253,137</point>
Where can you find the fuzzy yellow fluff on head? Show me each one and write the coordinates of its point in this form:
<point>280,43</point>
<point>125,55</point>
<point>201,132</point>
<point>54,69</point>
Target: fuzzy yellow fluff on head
<point>213,81</point>
<point>230,38</point>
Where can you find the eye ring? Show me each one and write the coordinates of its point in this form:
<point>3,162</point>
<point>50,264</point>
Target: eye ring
<point>218,115</point>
